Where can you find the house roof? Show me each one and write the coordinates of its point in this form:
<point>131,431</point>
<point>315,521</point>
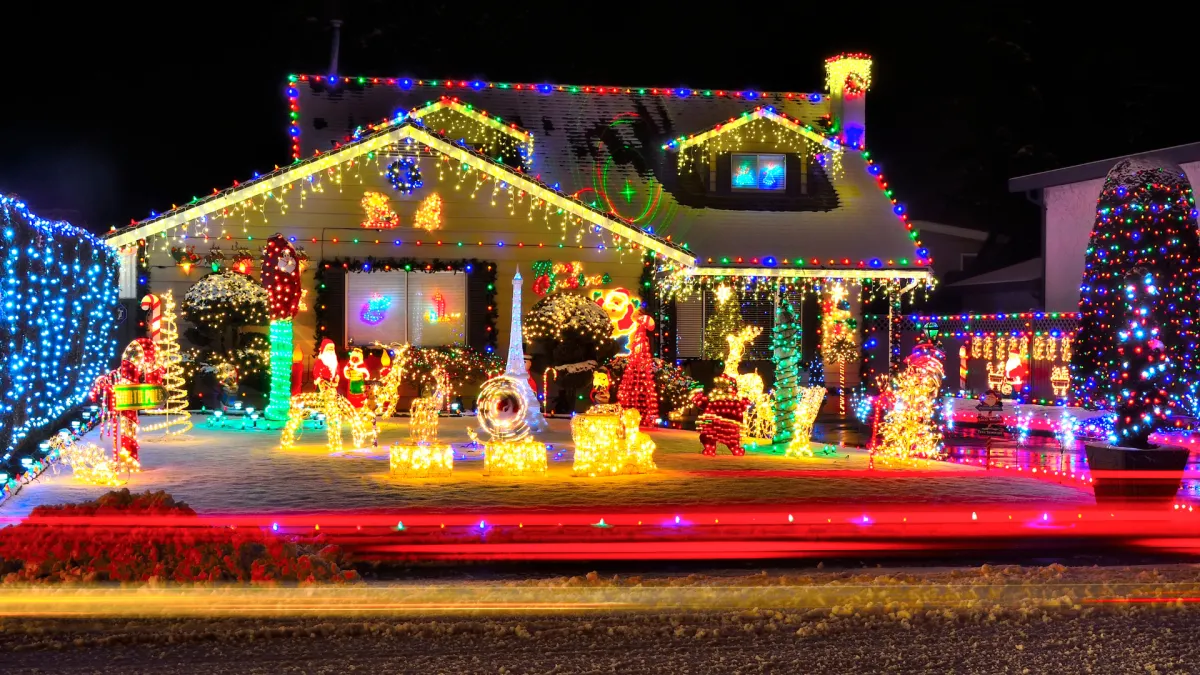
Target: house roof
<point>389,134</point>
<point>610,148</point>
<point>951,230</point>
<point>1179,154</point>
<point>1028,270</point>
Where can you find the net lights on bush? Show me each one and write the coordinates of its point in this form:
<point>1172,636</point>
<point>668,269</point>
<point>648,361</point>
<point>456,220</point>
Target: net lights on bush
<point>1145,217</point>
<point>60,304</point>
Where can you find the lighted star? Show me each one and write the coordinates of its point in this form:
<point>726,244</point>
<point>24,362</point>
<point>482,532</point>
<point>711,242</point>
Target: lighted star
<point>628,192</point>
<point>723,293</point>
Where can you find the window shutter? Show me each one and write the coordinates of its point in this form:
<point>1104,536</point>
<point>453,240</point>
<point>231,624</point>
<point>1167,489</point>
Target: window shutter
<point>477,310</point>
<point>335,305</point>
<point>689,328</point>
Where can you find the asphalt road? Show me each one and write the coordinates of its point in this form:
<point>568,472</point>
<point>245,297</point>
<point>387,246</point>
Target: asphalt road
<point>1127,639</point>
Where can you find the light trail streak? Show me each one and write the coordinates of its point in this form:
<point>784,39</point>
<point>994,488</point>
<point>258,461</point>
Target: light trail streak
<point>469,598</point>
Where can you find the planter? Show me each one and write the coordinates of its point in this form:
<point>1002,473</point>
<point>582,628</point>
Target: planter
<point>1152,475</point>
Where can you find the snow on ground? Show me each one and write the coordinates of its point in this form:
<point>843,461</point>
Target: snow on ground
<point>235,471</point>
<point>1051,619</point>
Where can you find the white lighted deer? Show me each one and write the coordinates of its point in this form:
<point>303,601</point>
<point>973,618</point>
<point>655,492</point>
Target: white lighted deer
<point>760,417</point>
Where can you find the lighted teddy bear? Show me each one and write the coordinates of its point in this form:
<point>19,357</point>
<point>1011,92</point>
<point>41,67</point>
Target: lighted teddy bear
<point>722,414</point>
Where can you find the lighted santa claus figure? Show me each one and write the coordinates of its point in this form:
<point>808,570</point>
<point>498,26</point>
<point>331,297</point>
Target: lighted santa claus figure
<point>722,415</point>
<point>356,374</point>
<point>325,366</point>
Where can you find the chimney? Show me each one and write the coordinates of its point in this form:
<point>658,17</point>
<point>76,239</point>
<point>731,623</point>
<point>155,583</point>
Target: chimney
<point>336,47</point>
<point>848,77</point>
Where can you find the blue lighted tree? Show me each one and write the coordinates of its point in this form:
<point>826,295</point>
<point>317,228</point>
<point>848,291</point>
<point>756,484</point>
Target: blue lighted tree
<point>1145,367</point>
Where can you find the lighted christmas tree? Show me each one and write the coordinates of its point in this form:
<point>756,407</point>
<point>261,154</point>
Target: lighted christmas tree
<point>785,350</point>
<point>1145,218</point>
<point>727,320</point>
<point>1146,367</point>
<point>909,427</point>
<point>838,343</point>
<point>178,419</point>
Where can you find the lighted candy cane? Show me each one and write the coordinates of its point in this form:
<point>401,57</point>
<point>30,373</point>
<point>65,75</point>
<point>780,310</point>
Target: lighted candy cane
<point>153,304</point>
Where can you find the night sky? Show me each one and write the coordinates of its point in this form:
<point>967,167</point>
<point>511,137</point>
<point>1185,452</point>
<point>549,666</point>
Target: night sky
<point>108,117</point>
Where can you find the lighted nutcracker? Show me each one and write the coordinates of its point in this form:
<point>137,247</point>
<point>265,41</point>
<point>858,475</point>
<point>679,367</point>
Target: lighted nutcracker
<point>722,414</point>
<point>356,374</point>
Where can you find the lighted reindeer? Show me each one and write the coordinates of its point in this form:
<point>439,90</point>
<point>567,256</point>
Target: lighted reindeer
<point>328,401</point>
<point>760,417</point>
<point>387,392</point>
<point>423,424</point>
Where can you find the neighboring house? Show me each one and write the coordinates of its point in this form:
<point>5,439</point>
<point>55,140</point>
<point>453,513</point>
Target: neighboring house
<point>1068,199</point>
<point>956,247</point>
<point>745,188</point>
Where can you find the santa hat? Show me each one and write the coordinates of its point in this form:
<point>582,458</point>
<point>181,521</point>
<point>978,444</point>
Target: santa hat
<point>325,343</point>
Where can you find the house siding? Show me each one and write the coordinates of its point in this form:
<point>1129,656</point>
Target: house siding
<point>1070,215</point>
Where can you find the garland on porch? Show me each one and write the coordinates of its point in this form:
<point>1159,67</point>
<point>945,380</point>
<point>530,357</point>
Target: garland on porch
<point>482,270</point>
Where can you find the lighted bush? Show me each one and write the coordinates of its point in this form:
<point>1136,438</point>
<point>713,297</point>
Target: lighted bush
<point>56,322</point>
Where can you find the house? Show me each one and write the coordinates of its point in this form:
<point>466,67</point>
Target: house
<point>652,189</point>
<point>1068,197</point>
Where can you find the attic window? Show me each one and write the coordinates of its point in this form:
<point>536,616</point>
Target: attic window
<point>758,172</point>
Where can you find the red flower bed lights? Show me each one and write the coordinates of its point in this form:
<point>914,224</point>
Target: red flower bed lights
<point>151,537</point>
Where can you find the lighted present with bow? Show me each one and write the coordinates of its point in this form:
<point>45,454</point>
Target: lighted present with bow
<point>607,442</point>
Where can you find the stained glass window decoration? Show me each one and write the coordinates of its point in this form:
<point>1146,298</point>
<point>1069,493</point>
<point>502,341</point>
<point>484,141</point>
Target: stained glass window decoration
<point>758,172</point>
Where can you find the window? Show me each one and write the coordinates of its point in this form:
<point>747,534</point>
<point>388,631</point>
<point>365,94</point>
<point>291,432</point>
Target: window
<point>758,172</point>
<point>422,308</point>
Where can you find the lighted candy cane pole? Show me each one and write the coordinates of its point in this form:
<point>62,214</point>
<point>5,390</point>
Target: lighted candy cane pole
<point>153,304</point>
<point>281,279</point>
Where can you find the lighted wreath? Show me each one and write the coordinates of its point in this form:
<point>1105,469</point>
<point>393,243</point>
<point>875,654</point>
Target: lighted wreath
<point>405,174</point>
